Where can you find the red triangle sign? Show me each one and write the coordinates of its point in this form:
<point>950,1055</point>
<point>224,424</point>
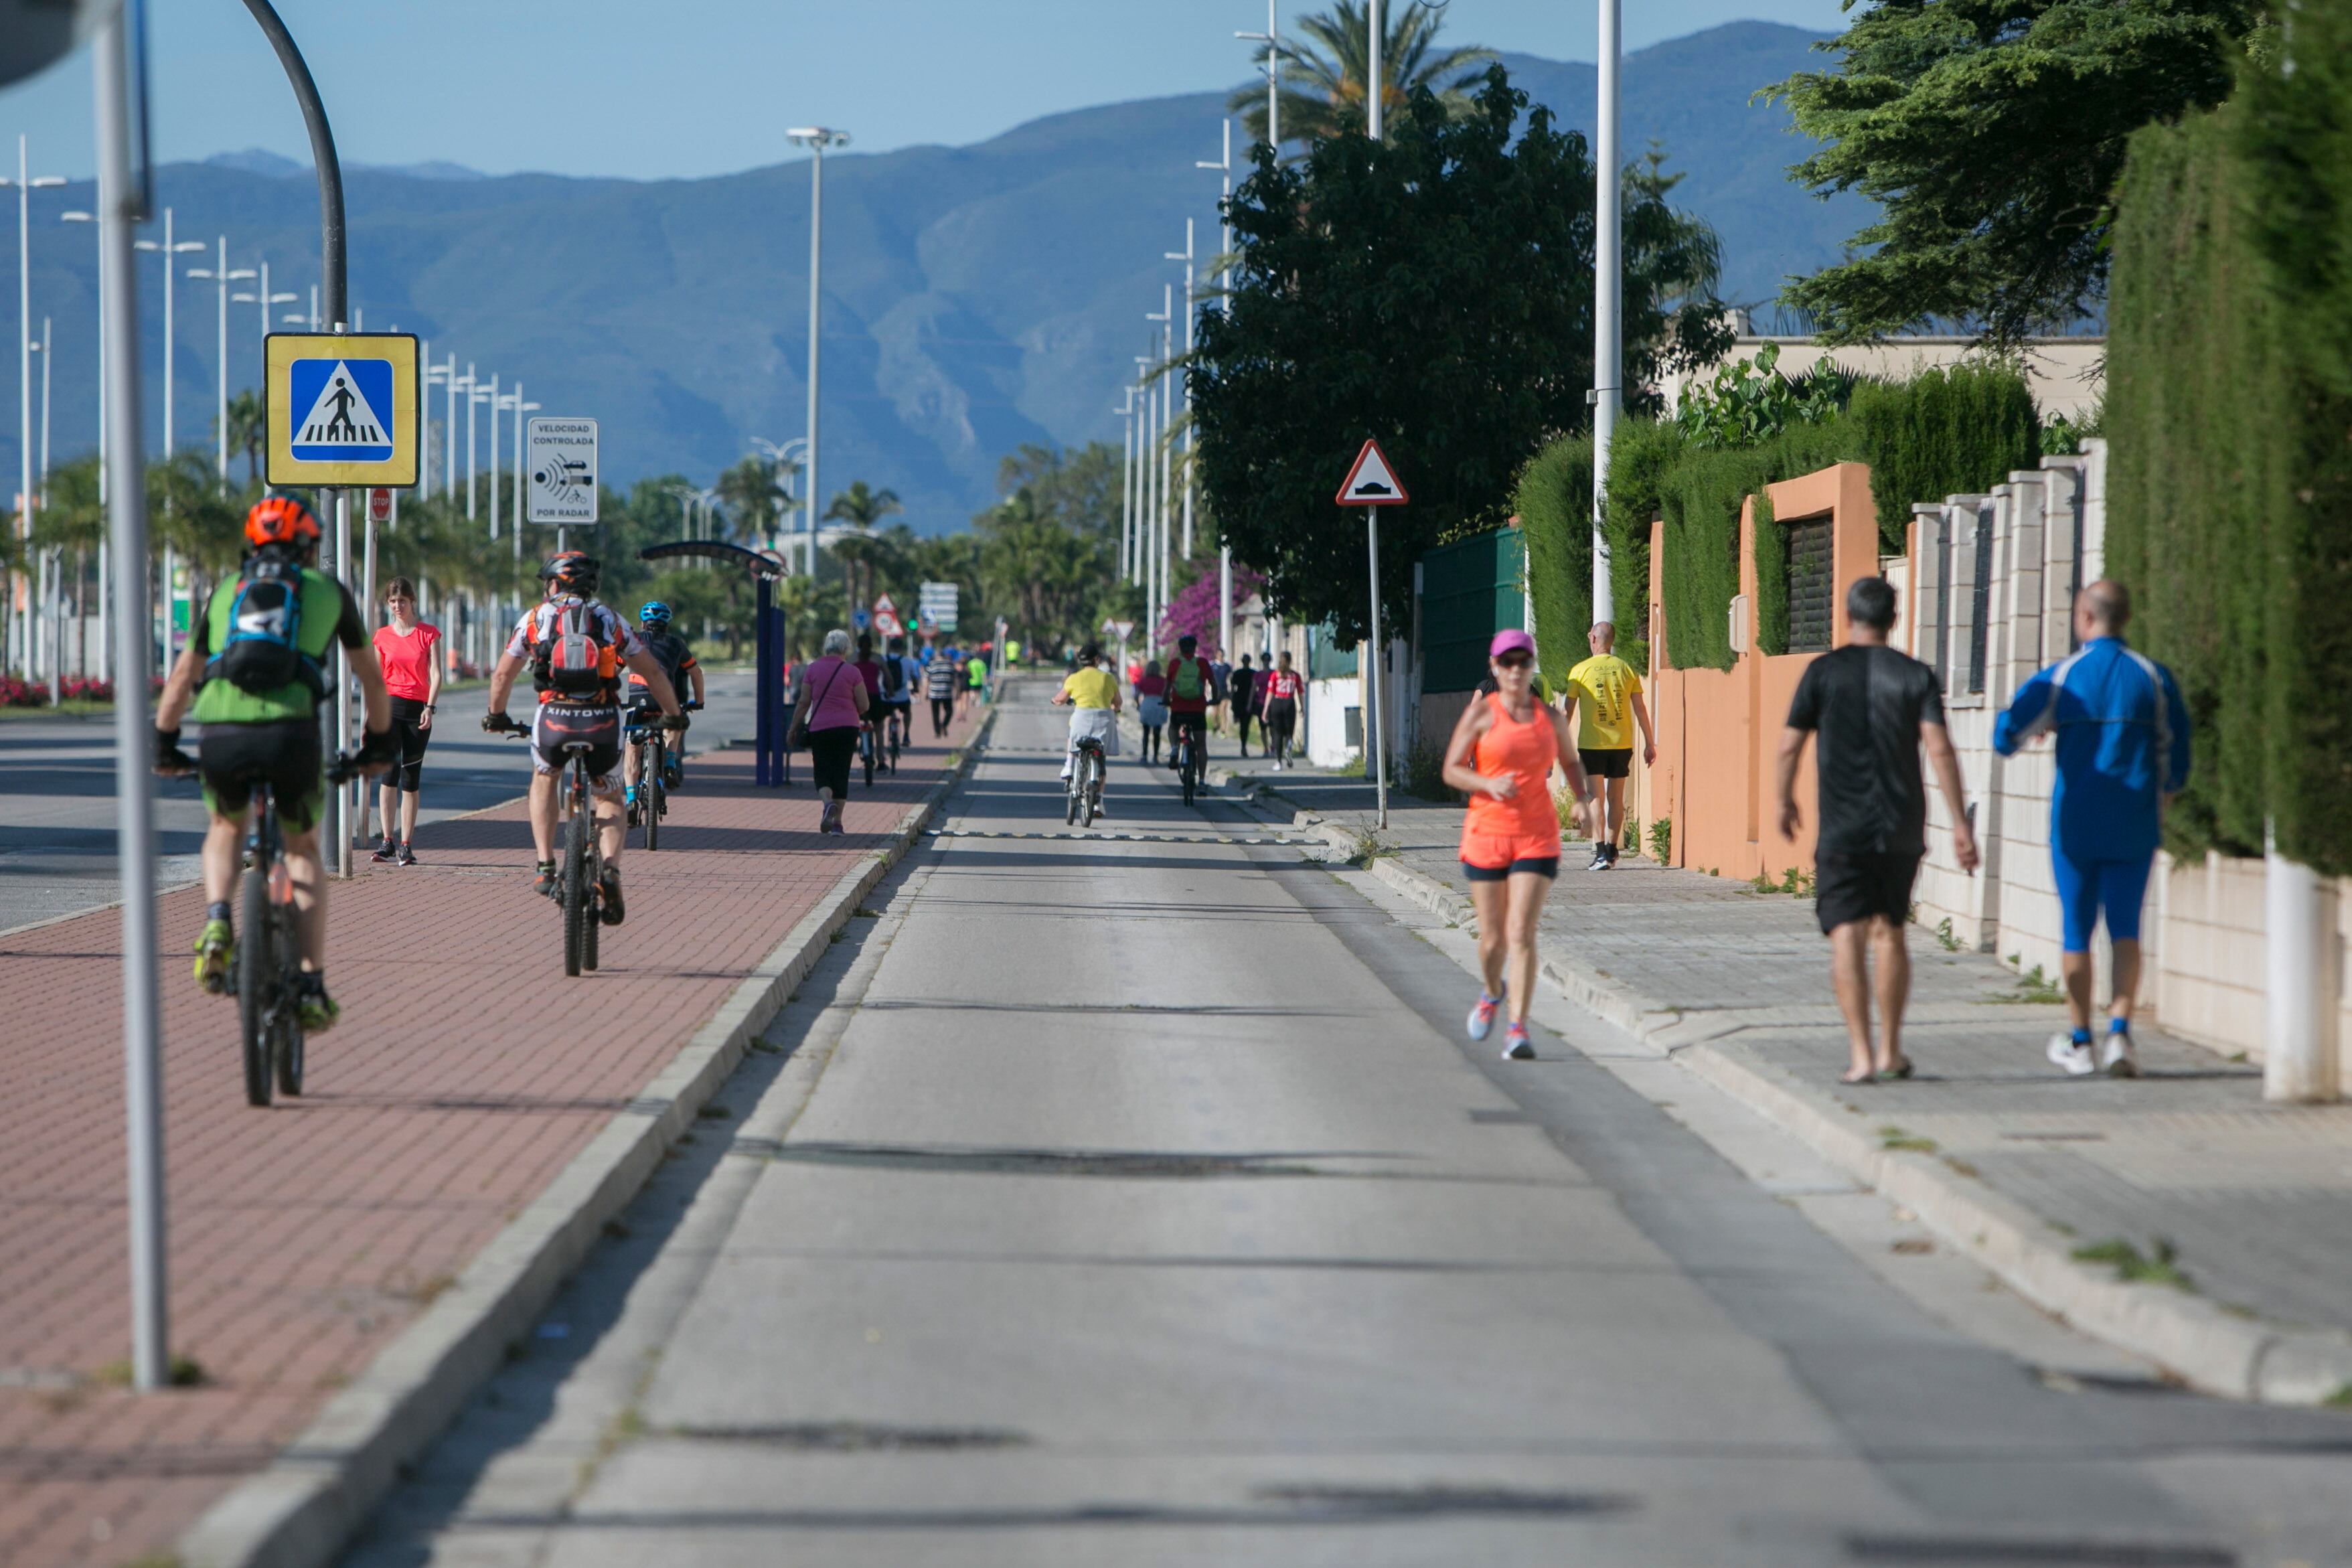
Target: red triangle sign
<point>1371,482</point>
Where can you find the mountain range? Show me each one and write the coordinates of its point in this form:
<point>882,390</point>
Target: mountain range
<point>975,298</point>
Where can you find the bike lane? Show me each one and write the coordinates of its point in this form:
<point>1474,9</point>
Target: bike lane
<point>466,1073</point>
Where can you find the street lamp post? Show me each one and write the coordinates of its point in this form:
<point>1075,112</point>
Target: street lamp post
<point>494,401</point>
<point>105,604</point>
<point>451,381</point>
<point>473,396</point>
<point>817,139</point>
<point>1185,256</point>
<point>168,249</point>
<point>519,409</point>
<point>222,276</point>
<point>1127,484</point>
<point>1608,293</point>
<point>1372,67</point>
<point>1224,167</point>
<point>787,466</point>
<point>26,184</point>
<point>1272,40</point>
<point>265,300</point>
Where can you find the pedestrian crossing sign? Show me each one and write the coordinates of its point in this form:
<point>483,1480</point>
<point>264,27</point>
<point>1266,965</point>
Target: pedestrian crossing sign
<point>343,409</point>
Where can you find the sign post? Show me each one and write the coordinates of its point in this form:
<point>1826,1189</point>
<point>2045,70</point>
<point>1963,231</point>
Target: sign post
<point>561,457</point>
<point>1372,484</point>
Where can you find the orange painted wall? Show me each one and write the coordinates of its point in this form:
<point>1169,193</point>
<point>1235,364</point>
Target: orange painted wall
<point>1718,731</point>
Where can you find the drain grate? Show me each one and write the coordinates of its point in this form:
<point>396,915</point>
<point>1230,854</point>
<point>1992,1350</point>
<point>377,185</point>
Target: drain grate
<point>856,1436</point>
<point>1132,1165</point>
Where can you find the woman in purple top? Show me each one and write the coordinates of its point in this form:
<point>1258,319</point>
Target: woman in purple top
<point>833,699</point>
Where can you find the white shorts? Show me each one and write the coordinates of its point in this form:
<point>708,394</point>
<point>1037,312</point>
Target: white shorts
<point>1100,724</point>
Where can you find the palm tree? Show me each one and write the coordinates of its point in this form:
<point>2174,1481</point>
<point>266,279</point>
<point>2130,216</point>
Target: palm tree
<point>247,429</point>
<point>861,506</point>
<point>752,491</point>
<point>1323,87</point>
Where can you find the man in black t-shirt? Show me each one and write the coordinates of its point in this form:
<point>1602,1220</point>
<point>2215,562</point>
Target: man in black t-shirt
<point>1874,708</point>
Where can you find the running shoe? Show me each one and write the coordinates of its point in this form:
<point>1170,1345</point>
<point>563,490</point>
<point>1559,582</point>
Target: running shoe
<point>384,851</point>
<point>1482,1015</point>
<point>548,884</point>
<point>215,957</point>
<point>1600,858</point>
<point>407,855</point>
<point>614,913</point>
<point>1517,1047</point>
<point>2117,1056</point>
<point>316,1009</point>
<point>2073,1055</point>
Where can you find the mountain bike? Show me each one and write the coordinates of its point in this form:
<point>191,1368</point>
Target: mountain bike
<point>270,954</point>
<point>1086,782</point>
<point>651,742</point>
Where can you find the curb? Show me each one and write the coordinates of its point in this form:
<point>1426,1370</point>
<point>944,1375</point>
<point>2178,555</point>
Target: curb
<point>2208,1348</point>
<point>302,1509</point>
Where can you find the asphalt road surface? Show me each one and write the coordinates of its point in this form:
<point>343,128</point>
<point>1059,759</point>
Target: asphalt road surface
<point>57,796</point>
<point>1136,1200</point>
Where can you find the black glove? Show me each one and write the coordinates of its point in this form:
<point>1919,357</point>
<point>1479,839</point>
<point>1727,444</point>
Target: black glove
<point>169,758</point>
<point>674,721</point>
<point>375,747</point>
<point>693,707</point>
<point>497,723</point>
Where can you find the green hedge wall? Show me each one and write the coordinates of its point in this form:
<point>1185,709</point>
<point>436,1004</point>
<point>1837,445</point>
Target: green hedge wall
<point>1554,502</point>
<point>1956,431</point>
<point>2230,410</point>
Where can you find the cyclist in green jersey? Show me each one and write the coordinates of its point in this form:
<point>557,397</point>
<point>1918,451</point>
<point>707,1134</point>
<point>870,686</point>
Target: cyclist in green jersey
<point>260,731</point>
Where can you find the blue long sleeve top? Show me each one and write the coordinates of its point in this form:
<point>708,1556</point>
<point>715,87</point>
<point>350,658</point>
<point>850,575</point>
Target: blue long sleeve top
<point>2123,743</point>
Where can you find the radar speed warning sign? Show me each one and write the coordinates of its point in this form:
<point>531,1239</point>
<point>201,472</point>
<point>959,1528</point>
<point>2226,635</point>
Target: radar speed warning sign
<point>561,459</point>
<point>342,409</point>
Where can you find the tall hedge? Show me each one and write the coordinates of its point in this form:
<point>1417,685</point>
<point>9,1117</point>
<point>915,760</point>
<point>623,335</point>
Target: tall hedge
<point>1553,499</point>
<point>2229,411</point>
<point>1945,431</point>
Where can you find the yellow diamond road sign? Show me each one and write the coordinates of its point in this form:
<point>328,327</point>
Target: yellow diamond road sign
<point>343,409</point>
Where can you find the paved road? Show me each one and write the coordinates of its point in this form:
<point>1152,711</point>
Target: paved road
<point>1134,1200</point>
<point>57,778</point>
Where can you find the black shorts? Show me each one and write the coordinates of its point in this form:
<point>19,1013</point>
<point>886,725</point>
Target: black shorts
<point>408,742</point>
<point>1544,866</point>
<point>558,725</point>
<point>1855,886</point>
<point>287,755</point>
<point>1614,764</point>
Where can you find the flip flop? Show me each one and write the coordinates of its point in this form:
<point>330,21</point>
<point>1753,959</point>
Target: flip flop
<point>1894,1074</point>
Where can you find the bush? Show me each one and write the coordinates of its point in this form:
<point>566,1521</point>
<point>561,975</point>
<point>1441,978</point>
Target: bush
<point>1553,499</point>
<point>15,694</point>
<point>1945,431</point>
<point>85,689</point>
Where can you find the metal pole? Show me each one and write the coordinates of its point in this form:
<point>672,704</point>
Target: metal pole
<point>220,359</point>
<point>1167,441</point>
<point>494,457</point>
<point>135,787</point>
<point>1373,658</point>
<point>1190,317</point>
<point>49,575</point>
<point>1608,294</point>
<point>816,261</point>
<point>449,430</point>
<point>32,632</point>
<point>470,464</point>
<point>332,271</point>
<point>1372,75</point>
<point>171,565</point>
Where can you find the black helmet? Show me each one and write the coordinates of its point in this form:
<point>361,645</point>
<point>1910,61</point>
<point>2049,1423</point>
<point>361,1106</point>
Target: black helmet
<point>570,572</point>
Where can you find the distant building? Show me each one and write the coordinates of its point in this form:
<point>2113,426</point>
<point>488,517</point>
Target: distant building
<point>2066,374</point>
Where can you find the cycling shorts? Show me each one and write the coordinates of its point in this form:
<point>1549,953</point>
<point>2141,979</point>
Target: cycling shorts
<point>558,725</point>
<point>287,755</point>
<point>2087,888</point>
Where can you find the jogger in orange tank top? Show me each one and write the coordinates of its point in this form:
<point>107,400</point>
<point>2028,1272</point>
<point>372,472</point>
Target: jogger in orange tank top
<point>1501,756</point>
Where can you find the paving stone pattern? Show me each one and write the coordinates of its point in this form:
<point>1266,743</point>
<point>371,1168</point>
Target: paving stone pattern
<point>465,1072</point>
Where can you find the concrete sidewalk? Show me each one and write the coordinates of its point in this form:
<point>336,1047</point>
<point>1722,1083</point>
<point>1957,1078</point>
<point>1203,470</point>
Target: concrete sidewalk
<point>2179,1216</point>
<point>466,1075</point>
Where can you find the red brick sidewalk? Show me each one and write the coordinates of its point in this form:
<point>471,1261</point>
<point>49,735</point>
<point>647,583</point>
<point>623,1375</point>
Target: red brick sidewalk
<point>467,1071</point>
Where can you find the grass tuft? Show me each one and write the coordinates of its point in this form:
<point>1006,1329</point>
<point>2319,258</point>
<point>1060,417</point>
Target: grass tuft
<point>2134,1267</point>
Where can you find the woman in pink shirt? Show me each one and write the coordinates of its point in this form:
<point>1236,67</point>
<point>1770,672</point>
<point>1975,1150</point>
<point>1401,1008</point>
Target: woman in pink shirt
<point>407,648</point>
<point>830,710</point>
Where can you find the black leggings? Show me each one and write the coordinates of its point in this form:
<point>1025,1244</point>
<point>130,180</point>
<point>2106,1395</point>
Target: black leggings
<point>1151,741</point>
<point>829,754</point>
<point>1280,719</point>
<point>1241,723</point>
<point>942,714</point>
<point>408,741</point>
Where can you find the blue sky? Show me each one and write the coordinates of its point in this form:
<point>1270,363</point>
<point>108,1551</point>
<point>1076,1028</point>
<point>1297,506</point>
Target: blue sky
<point>595,86</point>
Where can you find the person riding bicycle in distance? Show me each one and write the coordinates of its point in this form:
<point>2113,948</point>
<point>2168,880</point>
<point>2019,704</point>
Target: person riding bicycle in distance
<point>1192,686</point>
<point>257,665</point>
<point>576,648</point>
<point>1091,693</point>
<point>900,674</point>
<point>677,659</point>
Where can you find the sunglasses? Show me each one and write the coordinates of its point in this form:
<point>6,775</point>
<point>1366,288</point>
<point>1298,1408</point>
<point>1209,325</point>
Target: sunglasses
<point>1513,661</point>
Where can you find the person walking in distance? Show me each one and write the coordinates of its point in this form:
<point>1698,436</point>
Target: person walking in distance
<point>1874,709</point>
<point>940,690</point>
<point>1501,755</point>
<point>2122,738</point>
<point>1284,687</point>
<point>409,651</point>
<point>1605,694</point>
<point>1241,693</point>
<point>1151,708</point>
<point>832,711</point>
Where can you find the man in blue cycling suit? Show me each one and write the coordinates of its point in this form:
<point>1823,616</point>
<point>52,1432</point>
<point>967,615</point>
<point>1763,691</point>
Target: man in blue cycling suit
<point>2123,752</point>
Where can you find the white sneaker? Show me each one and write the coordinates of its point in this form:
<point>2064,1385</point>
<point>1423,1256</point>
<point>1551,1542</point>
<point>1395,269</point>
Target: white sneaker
<point>2117,1057</point>
<point>2075,1058</point>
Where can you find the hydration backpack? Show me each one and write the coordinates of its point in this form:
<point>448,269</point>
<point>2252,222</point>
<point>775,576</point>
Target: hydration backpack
<point>893,677</point>
<point>573,660</point>
<point>1184,679</point>
<point>262,650</point>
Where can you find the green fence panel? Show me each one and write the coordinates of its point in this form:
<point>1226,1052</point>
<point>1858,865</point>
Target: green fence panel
<point>1469,591</point>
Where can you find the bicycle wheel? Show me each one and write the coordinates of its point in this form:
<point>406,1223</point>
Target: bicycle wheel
<point>256,983</point>
<point>289,961</point>
<point>1095,788</point>
<point>653,798</point>
<point>1190,769</point>
<point>865,750</point>
<point>1070,813</point>
<point>1089,789</point>
<point>575,895</point>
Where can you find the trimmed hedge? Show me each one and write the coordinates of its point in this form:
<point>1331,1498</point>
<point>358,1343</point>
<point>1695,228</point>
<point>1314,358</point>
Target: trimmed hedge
<point>1553,499</point>
<point>2230,407</point>
<point>1956,431</point>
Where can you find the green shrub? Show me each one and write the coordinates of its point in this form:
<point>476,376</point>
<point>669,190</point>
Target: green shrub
<point>1945,431</point>
<point>1553,499</point>
<point>1771,579</point>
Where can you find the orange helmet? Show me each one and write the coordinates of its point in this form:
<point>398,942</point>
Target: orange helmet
<point>280,519</point>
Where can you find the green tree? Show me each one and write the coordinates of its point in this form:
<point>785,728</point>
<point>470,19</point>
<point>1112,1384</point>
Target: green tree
<point>248,427</point>
<point>1048,554</point>
<point>1991,133</point>
<point>1324,81</point>
<point>861,506</point>
<point>752,495</point>
<point>1436,291</point>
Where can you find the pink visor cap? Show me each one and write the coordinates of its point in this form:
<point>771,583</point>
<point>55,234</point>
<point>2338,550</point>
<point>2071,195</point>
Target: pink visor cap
<point>1511,642</point>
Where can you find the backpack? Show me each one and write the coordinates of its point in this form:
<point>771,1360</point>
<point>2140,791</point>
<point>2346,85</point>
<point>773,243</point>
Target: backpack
<point>263,649</point>
<point>1184,679</point>
<point>893,677</point>
<point>572,659</point>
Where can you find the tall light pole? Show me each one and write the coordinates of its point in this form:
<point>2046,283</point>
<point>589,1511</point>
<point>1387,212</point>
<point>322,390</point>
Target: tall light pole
<point>1224,166</point>
<point>265,300</point>
<point>493,400</point>
<point>817,139</point>
<point>1185,256</point>
<point>1126,482</point>
<point>1372,67</point>
<point>519,409</point>
<point>1272,40</point>
<point>782,454</point>
<point>105,605</point>
<point>26,184</point>
<point>473,397</point>
<point>221,277</point>
<point>168,247</point>
<point>1608,294</point>
<point>450,382</point>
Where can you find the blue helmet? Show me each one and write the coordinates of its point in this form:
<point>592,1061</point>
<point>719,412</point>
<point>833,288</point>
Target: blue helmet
<point>653,613</point>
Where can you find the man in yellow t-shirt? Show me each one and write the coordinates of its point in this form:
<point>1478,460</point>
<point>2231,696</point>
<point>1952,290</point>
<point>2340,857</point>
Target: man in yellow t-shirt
<point>1608,696</point>
<point>1091,694</point>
